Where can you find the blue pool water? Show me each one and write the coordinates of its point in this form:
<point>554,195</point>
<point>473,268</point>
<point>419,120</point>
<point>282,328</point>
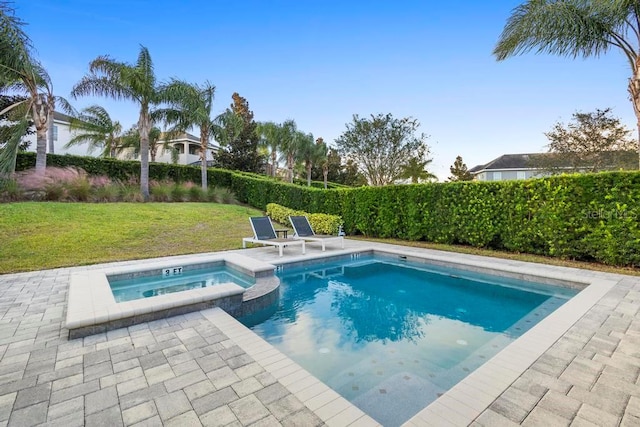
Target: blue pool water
<point>392,336</point>
<point>150,286</point>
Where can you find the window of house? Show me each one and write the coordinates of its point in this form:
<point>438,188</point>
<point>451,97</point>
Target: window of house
<point>179,148</point>
<point>521,175</point>
<point>497,176</point>
<point>55,132</point>
<point>194,149</point>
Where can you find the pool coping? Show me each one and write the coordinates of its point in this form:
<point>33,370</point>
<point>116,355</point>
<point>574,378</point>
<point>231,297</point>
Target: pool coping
<point>471,396</point>
<point>92,308</point>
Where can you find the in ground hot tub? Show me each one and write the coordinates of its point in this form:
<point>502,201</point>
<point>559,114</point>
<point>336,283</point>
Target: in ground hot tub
<point>109,299</point>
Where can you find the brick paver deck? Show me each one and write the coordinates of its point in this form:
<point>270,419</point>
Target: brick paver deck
<point>184,370</point>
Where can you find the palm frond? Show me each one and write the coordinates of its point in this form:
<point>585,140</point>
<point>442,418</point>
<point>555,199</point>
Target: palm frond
<point>9,152</point>
<point>15,45</point>
<point>566,28</point>
<point>94,85</point>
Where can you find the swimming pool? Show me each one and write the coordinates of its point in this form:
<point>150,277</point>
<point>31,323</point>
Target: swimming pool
<point>167,282</point>
<point>391,336</point>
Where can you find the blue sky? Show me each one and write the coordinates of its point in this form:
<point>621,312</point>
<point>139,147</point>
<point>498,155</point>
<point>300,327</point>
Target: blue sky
<point>321,62</point>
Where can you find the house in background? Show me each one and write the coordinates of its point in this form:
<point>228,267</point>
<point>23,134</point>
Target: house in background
<point>186,145</point>
<point>536,165</point>
<point>510,166</point>
<point>61,136</point>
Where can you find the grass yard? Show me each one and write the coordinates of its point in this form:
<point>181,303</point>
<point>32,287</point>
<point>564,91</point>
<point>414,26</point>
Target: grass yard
<point>36,236</point>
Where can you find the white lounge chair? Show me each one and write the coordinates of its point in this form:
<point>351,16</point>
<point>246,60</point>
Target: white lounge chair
<point>265,234</point>
<point>303,231</point>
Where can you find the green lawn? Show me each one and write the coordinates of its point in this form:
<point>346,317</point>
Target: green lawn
<point>36,236</point>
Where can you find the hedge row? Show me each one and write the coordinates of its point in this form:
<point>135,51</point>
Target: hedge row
<point>586,217</point>
<point>320,223</point>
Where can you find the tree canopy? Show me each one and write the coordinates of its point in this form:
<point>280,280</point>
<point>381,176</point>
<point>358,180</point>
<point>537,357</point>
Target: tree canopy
<point>241,150</point>
<point>591,142</point>
<point>381,145</point>
<point>459,171</point>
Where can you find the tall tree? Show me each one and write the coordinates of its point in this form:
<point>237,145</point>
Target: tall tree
<point>311,153</point>
<point>592,142</point>
<point>135,82</point>
<point>94,126</point>
<point>270,135</point>
<point>416,168</point>
<point>352,175</point>
<point>191,106</point>
<point>381,145</point>
<point>332,167</point>
<point>23,75</point>
<point>459,171</point>
<point>577,28</point>
<point>323,159</point>
<point>241,152</point>
<point>291,143</point>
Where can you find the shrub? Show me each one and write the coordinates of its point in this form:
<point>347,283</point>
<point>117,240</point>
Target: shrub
<point>53,192</point>
<point>107,193</point>
<point>195,192</point>
<point>10,191</point>
<point>221,195</point>
<point>160,191</point>
<point>179,192</point>
<point>321,223</point>
<point>79,189</point>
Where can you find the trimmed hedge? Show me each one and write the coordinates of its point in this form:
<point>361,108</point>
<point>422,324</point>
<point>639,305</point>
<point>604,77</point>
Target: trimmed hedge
<point>320,222</point>
<point>585,217</point>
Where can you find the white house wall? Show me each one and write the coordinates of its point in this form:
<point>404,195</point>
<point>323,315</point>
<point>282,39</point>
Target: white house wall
<point>63,137</point>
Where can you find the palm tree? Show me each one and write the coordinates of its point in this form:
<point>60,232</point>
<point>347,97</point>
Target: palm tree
<point>135,82</point>
<point>191,106</point>
<point>311,154</point>
<point>577,28</point>
<point>130,144</point>
<point>324,160</point>
<point>22,74</point>
<point>290,144</point>
<point>416,169</point>
<point>270,135</point>
<point>95,127</point>
<point>227,127</point>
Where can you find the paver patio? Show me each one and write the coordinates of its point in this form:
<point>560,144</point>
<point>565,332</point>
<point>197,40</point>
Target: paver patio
<point>185,370</point>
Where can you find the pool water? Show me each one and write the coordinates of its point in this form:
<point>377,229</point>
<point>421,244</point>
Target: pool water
<point>392,336</point>
<point>150,286</point>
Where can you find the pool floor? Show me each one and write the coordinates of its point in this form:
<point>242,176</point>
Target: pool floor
<point>392,339</point>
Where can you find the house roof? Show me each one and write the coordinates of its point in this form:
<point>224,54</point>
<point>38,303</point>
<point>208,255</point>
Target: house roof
<point>57,115</point>
<point>609,160</point>
<point>187,136</point>
<point>509,161</point>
